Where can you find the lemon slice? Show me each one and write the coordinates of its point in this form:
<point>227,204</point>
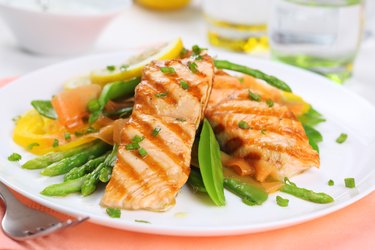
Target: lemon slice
<point>134,66</point>
<point>163,4</point>
<point>77,82</point>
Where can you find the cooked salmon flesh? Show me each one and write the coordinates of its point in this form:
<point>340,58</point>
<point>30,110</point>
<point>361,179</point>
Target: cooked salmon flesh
<point>155,152</point>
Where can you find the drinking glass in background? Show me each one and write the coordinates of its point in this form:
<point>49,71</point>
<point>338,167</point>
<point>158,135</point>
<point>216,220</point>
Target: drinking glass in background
<point>370,19</point>
<point>239,25</point>
<point>320,35</point>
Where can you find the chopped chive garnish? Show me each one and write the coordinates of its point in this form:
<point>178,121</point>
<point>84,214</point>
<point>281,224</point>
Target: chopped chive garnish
<point>193,67</point>
<point>137,139</point>
<point>55,143</point>
<point>32,145</point>
<point>331,183</point>
<point>124,67</point>
<point>156,131</point>
<point>67,136</point>
<point>282,202</point>
<point>241,79</point>
<point>79,133</point>
<point>113,212</point>
<point>183,52</point>
<point>342,138</point>
<point>159,95</point>
<point>180,119</point>
<point>349,182</point>
<point>93,105</point>
<point>14,157</point>
<point>243,124</point>
<point>132,146</point>
<point>91,130</point>
<point>198,57</point>
<point>142,152</point>
<point>111,67</point>
<point>253,96</point>
<point>184,84</point>
<point>143,221</point>
<point>263,131</point>
<point>269,103</point>
<point>168,70</point>
<point>197,50</point>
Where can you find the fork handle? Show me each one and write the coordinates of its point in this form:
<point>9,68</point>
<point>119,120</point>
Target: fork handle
<point>7,196</point>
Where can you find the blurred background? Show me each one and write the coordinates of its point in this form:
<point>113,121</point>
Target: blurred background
<point>335,38</point>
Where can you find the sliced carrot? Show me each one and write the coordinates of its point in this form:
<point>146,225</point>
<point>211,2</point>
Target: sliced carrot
<point>71,105</point>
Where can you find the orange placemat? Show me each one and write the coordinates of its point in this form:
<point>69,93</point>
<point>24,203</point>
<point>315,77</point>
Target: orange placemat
<point>350,228</point>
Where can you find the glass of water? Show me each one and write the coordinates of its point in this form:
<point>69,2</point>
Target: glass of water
<point>320,35</point>
<point>239,25</point>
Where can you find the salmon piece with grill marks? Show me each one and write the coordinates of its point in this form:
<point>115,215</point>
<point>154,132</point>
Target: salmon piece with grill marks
<point>164,104</point>
<point>272,142</point>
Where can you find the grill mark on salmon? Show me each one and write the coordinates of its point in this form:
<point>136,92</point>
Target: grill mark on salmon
<point>145,128</point>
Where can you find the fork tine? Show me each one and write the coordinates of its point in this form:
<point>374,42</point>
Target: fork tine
<point>22,223</point>
<point>39,232</point>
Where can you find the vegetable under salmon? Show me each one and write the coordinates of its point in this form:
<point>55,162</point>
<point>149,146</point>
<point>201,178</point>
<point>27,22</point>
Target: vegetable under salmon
<point>152,167</point>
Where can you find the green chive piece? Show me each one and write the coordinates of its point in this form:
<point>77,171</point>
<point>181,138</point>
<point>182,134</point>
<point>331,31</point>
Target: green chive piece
<point>342,138</point>
<point>142,152</point>
<point>55,143</point>
<point>14,157</point>
<point>193,67</point>
<point>183,52</point>
<point>282,202</point>
<point>156,131</point>
<point>349,182</point>
<point>331,183</point>
<point>253,96</point>
<point>269,103</point>
<point>67,136</point>
<point>143,221</point>
<point>184,84</point>
<point>263,131</point>
<point>79,133</point>
<point>181,119</point>
<point>124,67</point>
<point>241,79</point>
<point>93,105</point>
<point>132,146</point>
<point>168,70</point>
<point>243,124</point>
<point>159,95</point>
<point>197,50</point>
<point>137,139</point>
<point>113,212</point>
<point>111,67</point>
<point>32,145</point>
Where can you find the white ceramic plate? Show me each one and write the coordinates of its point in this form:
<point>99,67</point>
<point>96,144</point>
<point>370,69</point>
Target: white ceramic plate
<point>194,214</point>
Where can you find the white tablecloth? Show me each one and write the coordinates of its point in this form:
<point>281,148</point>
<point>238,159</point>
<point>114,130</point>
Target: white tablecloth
<point>137,27</point>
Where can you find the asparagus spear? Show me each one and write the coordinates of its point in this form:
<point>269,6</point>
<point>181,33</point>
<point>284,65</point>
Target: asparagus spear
<point>89,185</point>
<point>222,64</point>
<point>86,168</point>
<point>47,159</point>
<point>64,188</point>
<point>65,165</point>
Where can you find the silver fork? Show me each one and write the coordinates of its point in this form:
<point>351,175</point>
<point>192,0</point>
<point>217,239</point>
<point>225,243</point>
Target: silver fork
<point>22,223</point>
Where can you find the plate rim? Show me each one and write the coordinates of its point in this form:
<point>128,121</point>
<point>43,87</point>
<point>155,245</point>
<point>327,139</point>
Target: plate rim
<point>207,231</point>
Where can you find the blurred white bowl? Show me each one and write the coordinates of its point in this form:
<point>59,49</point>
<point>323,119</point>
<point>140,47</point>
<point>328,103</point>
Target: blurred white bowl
<point>63,27</point>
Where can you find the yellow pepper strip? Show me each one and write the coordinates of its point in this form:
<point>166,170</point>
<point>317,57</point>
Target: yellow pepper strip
<point>40,135</point>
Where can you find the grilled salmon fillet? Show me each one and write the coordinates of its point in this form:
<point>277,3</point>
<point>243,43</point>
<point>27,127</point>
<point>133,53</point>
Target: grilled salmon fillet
<point>155,152</point>
<point>268,137</point>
